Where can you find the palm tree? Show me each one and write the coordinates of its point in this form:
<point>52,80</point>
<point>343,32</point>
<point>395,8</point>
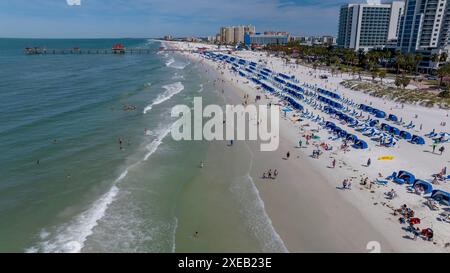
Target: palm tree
<point>418,58</point>
<point>435,58</point>
<point>399,61</point>
<point>443,71</point>
<point>374,73</point>
<point>398,81</point>
<point>443,57</point>
<point>382,75</point>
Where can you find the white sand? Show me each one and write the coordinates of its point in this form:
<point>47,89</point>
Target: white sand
<point>307,209</point>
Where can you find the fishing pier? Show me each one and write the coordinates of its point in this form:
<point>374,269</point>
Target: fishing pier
<point>117,49</point>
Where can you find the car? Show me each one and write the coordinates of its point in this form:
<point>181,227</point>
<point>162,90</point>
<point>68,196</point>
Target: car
<point>432,78</point>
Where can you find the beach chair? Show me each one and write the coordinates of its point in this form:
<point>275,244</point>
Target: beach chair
<point>392,176</point>
<point>390,143</point>
<point>431,134</point>
<point>411,127</point>
<point>381,182</point>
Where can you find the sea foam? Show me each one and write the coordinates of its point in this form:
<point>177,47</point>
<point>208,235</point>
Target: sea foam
<point>71,237</point>
<point>171,90</point>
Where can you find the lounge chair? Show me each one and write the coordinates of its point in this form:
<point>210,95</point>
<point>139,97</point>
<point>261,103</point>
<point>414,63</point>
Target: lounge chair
<point>381,182</point>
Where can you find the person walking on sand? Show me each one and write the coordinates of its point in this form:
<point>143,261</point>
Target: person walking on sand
<point>344,184</point>
<point>434,146</point>
<point>369,162</point>
<point>441,150</point>
<point>288,155</point>
<point>275,173</point>
<point>300,143</point>
<point>333,163</point>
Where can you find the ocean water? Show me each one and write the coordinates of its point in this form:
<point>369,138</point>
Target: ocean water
<point>68,185</point>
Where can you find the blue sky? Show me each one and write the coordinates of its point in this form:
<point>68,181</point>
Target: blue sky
<point>155,18</point>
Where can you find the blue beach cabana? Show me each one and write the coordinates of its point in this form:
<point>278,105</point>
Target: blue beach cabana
<point>417,140</point>
<point>405,135</point>
<point>392,117</point>
<point>394,131</point>
<point>404,177</point>
<point>330,125</point>
<point>351,137</point>
<point>441,197</point>
<point>360,144</point>
<point>379,113</point>
<point>427,187</point>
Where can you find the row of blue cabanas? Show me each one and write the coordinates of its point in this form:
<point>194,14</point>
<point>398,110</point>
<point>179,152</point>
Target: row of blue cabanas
<point>342,116</point>
<point>357,143</point>
<point>405,177</point>
<point>286,76</point>
<point>330,102</point>
<point>293,103</point>
<point>329,93</point>
<point>293,93</point>
<point>378,113</point>
<point>279,80</point>
<point>295,87</point>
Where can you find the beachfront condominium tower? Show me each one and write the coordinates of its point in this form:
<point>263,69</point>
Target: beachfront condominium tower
<point>425,30</point>
<point>239,34</point>
<point>424,26</point>
<point>235,34</point>
<point>369,25</point>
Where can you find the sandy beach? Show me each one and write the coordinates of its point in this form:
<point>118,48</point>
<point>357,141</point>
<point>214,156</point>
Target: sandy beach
<point>306,205</point>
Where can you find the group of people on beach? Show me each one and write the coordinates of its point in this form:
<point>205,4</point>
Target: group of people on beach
<point>270,175</point>
<point>407,217</point>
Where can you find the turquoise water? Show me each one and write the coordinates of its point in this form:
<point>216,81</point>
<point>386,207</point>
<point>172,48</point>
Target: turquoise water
<point>68,185</point>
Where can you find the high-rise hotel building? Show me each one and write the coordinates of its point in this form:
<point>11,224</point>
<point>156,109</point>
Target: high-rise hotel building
<point>369,25</point>
<point>235,34</point>
<point>425,25</point>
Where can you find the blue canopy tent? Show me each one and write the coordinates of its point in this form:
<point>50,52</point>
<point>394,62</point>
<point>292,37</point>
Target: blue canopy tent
<point>405,135</point>
<point>374,122</point>
<point>330,125</point>
<point>379,113</point>
<point>385,127</point>
<point>404,177</point>
<point>417,140</point>
<point>441,197</point>
<point>360,144</point>
<point>394,131</point>
<point>427,187</point>
<point>351,137</point>
<point>392,117</point>
<point>343,134</point>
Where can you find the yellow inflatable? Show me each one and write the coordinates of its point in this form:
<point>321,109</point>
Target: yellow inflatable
<point>386,157</point>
